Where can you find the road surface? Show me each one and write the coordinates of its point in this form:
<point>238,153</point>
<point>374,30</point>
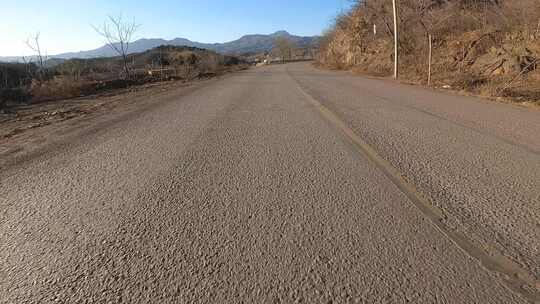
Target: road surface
<point>282,184</point>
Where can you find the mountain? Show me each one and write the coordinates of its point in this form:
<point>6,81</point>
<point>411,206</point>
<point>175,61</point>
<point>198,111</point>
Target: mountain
<point>246,44</point>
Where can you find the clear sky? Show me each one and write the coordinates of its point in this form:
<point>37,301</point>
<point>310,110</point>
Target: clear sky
<point>65,26</point>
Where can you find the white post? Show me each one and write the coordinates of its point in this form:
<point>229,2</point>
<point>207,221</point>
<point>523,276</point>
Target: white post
<point>430,58</point>
<point>396,49</point>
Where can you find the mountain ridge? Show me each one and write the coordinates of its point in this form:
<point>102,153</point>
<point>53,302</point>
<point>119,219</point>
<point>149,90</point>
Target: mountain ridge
<point>253,43</point>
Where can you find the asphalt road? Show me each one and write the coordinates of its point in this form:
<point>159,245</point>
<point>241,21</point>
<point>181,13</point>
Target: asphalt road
<point>282,184</point>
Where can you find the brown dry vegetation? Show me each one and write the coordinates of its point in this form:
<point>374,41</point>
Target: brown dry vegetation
<point>488,47</point>
<point>20,83</point>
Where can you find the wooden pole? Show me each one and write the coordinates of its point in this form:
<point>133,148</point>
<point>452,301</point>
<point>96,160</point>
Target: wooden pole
<point>396,48</point>
<point>430,59</point>
<point>161,63</point>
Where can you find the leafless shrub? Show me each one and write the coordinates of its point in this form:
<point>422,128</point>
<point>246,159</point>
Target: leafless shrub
<point>209,64</point>
<point>61,88</point>
<point>39,59</point>
<point>284,47</point>
<point>118,35</point>
<point>73,69</point>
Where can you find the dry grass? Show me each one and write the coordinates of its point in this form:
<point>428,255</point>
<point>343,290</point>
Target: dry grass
<point>487,49</point>
<point>82,77</point>
<point>61,88</point>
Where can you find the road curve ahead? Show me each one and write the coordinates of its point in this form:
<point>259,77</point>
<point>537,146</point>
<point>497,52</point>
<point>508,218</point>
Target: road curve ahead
<point>282,184</point>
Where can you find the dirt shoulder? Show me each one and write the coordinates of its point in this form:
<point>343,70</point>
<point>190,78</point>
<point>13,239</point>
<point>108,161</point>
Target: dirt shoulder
<point>520,100</point>
<point>28,130</point>
<point>516,100</point>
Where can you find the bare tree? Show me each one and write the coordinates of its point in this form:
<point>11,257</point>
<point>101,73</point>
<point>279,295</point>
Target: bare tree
<point>118,34</point>
<point>74,68</point>
<point>284,47</point>
<point>39,58</point>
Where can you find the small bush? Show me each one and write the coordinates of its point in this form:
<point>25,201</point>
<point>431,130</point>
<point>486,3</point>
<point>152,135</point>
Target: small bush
<point>13,96</point>
<point>60,88</point>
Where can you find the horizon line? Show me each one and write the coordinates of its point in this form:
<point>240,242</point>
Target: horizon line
<point>143,38</point>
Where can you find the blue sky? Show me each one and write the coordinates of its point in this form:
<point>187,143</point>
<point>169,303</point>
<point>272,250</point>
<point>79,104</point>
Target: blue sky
<point>66,25</point>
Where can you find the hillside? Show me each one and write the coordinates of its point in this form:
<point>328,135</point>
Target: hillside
<point>246,44</point>
<point>490,48</point>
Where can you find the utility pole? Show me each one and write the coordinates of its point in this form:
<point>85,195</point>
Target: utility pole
<point>396,49</point>
<point>430,58</point>
<point>161,63</point>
